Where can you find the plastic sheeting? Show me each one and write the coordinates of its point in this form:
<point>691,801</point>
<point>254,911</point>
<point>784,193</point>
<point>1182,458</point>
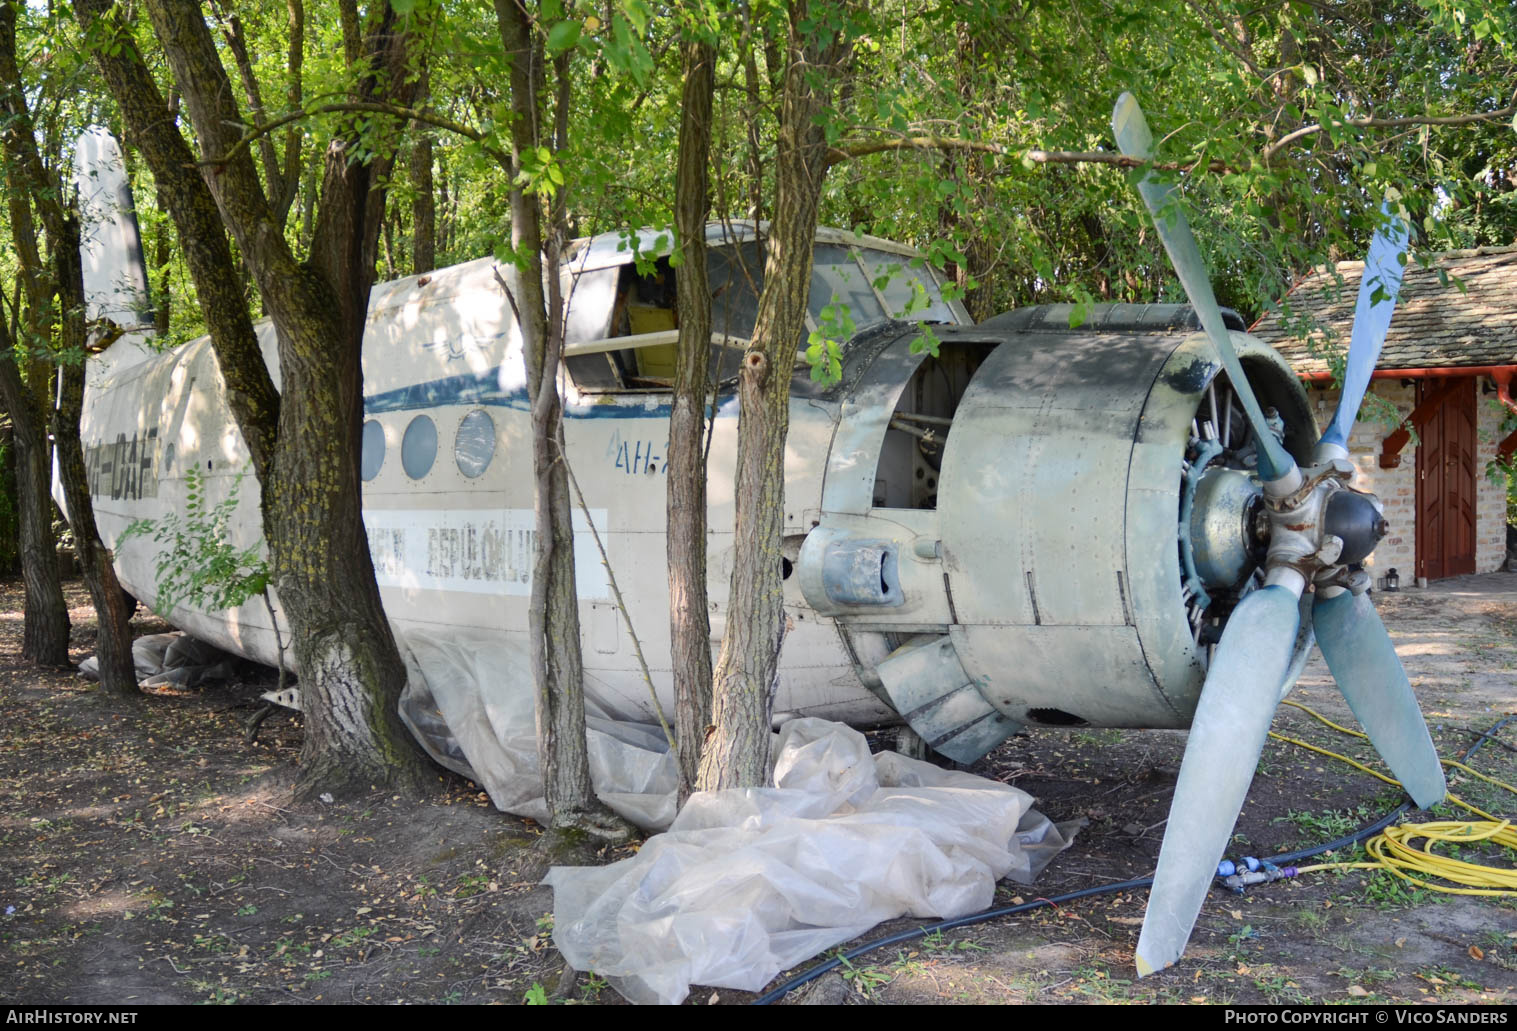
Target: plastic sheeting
<point>747,883</point>
<point>469,702</point>
<point>744,883</point>
<point>173,658</point>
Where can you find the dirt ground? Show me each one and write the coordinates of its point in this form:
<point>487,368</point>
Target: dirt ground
<point>149,855</point>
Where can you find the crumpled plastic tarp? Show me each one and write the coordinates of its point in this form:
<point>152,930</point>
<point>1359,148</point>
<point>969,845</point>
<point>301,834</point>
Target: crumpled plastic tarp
<point>172,658</point>
<point>744,883</point>
<point>748,882</point>
<point>469,702</point>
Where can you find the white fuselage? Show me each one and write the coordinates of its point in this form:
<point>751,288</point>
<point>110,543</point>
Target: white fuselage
<point>448,498</point>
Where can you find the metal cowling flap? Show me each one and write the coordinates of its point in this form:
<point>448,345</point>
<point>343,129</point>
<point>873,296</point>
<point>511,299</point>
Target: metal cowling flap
<point>928,686</point>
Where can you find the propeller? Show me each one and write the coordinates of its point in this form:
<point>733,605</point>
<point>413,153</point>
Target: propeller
<point>1136,141</point>
<point>1372,319</point>
<point>1320,529</point>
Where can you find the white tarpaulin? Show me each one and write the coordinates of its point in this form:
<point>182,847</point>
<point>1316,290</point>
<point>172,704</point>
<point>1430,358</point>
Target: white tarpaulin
<point>744,883</point>
<point>747,883</point>
<point>172,658</point>
<point>468,701</point>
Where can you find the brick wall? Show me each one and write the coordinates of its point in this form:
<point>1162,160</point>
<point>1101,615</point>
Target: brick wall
<point>1490,520</point>
<point>1397,488</point>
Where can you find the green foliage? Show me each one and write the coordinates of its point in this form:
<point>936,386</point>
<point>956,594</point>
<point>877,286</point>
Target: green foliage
<point>199,565</point>
<point>824,346</point>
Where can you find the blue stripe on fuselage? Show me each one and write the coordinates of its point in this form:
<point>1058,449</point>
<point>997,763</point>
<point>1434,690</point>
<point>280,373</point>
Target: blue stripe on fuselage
<point>469,389</point>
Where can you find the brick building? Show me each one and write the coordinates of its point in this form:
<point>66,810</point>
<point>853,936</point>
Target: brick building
<point>1446,369</point>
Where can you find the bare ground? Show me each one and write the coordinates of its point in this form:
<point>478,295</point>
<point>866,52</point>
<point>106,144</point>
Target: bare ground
<point>149,855</point>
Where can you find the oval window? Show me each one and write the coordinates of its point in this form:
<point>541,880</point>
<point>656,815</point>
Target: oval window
<point>373,455</point>
<point>168,460</point>
<point>475,444</point>
<point>418,448</point>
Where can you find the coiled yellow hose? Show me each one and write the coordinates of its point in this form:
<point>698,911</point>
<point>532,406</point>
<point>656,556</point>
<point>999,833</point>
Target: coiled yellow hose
<point>1391,850</point>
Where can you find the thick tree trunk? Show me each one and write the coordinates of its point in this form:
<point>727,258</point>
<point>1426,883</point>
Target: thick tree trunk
<point>44,638</point>
<point>737,750</point>
<point>689,619</point>
<point>352,674</point>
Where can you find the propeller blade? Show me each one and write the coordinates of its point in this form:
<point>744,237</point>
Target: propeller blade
<point>1226,738</point>
<point>1363,660</point>
<point>1134,140</point>
<point>1372,319</point>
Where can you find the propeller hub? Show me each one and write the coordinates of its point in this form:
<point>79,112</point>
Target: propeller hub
<point>1354,518</point>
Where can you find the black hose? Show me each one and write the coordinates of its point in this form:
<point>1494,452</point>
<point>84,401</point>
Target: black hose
<point>1289,858</point>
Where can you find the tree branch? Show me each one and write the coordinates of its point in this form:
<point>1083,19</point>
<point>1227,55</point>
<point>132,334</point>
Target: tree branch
<point>359,107</point>
<point>848,151</point>
<point>1385,123</point>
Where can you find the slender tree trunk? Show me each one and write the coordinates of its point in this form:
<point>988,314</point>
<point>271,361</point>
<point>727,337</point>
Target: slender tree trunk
<point>424,204</point>
<point>44,638</point>
<point>737,750</point>
<point>557,666</point>
<point>153,128</point>
<point>689,619</point>
<point>113,606</point>
<point>29,182</point>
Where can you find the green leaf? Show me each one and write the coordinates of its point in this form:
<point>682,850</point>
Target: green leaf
<point>563,36</point>
<point>403,7</point>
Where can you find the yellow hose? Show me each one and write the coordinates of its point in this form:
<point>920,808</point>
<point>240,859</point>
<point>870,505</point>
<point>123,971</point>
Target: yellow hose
<point>1391,850</point>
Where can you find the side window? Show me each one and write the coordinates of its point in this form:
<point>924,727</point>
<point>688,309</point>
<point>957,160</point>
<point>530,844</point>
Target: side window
<point>837,277</point>
<point>372,458</point>
<point>637,346</point>
<point>909,293</point>
<point>418,448</point>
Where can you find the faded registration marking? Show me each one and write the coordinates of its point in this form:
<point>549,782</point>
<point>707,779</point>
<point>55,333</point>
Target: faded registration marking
<point>481,551</point>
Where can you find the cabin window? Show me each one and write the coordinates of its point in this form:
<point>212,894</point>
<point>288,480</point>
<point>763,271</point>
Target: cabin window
<point>373,455</point>
<point>636,334</point>
<point>418,448</point>
<point>475,444</point>
<point>837,278</point>
<point>909,293</point>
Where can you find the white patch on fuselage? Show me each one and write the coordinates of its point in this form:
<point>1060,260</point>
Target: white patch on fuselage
<point>479,551</point>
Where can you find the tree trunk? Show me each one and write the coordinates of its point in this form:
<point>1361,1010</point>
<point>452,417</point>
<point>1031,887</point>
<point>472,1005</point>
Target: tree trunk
<point>557,666</point>
<point>44,638</point>
<point>424,204</point>
<point>154,130</point>
<point>113,606</point>
<point>29,182</point>
<point>689,619</point>
<point>737,750</point>
<point>351,672</point>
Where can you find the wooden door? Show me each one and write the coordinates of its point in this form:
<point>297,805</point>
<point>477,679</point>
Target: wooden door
<point>1446,482</point>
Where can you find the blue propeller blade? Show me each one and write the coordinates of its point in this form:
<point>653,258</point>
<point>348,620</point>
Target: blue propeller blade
<point>1134,140</point>
<point>1226,738</point>
<point>1372,320</point>
<point>1364,663</point>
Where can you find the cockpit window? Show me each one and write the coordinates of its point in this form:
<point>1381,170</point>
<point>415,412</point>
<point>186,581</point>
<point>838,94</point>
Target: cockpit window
<point>623,323</point>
